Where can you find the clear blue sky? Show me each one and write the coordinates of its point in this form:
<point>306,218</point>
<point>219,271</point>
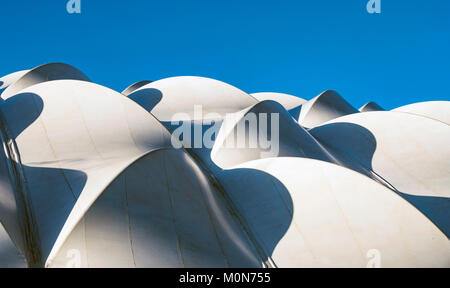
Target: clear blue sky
<point>299,47</point>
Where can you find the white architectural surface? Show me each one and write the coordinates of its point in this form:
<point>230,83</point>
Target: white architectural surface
<point>370,106</point>
<point>437,110</point>
<point>90,177</point>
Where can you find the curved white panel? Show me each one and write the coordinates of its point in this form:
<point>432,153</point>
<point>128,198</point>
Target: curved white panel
<point>309,213</point>
<point>371,106</point>
<point>437,110</point>
<point>9,79</point>
<point>130,89</point>
<point>410,152</point>
<point>146,216</point>
<point>326,106</point>
<point>47,72</point>
<point>274,134</point>
<point>70,143</point>
<point>175,98</point>
<point>288,101</point>
<point>291,103</point>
